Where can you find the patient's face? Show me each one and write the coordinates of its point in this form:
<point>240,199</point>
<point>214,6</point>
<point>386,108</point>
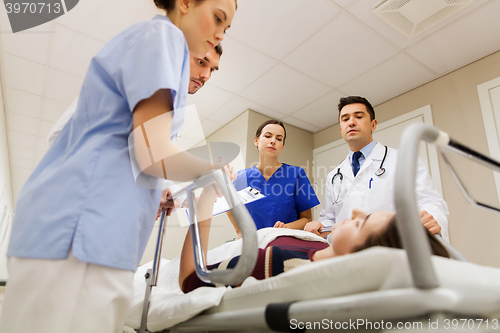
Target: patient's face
<point>353,232</point>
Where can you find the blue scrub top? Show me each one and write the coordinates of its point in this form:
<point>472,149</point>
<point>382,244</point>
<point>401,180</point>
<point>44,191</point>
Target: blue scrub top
<point>288,193</point>
<point>82,195</point>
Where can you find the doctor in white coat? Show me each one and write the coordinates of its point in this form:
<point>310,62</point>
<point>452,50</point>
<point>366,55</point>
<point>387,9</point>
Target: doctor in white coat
<point>372,188</point>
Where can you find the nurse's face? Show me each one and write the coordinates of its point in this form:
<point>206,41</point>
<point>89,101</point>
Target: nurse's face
<point>355,126</point>
<point>353,232</point>
<point>204,23</point>
<point>270,141</point>
<point>201,69</point>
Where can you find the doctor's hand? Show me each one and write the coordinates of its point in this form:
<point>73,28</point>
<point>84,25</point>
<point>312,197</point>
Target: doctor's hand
<point>314,227</point>
<point>429,222</point>
<point>280,224</point>
<point>167,203</point>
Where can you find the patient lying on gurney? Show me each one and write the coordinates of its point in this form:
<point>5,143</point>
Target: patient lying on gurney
<point>284,253</point>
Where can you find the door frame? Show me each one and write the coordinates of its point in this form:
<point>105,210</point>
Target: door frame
<point>492,135</point>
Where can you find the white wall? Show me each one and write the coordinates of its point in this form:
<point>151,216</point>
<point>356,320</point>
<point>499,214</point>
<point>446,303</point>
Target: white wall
<point>6,203</point>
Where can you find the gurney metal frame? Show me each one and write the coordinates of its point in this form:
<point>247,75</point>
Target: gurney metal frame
<point>245,222</point>
<point>426,300</point>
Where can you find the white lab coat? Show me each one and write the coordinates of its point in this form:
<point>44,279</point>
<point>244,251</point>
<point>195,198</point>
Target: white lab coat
<point>372,193</point>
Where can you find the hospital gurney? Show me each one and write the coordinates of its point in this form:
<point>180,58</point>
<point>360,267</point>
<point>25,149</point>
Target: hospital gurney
<point>248,230</point>
<point>374,288</point>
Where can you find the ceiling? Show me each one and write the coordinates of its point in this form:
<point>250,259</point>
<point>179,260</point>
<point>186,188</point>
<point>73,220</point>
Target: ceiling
<point>288,59</point>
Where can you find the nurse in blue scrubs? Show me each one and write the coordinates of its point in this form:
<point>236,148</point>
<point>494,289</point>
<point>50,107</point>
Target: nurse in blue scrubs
<point>289,195</point>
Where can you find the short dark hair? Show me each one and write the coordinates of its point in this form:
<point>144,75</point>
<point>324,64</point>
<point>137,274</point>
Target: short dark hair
<point>356,100</point>
<point>268,122</point>
<point>166,5</point>
<point>218,49</point>
<point>389,237</point>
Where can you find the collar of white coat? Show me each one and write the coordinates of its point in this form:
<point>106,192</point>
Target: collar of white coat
<point>376,155</point>
<point>378,152</point>
<point>366,151</point>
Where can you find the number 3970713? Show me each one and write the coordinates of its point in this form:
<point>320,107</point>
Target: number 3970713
<point>33,8</point>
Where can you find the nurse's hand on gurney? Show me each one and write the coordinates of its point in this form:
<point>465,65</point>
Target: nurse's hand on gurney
<point>304,218</point>
<point>280,224</point>
<point>166,202</point>
<point>169,205</point>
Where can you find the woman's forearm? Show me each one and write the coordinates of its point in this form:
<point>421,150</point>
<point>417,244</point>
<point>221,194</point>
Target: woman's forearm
<point>305,217</point>
<point>155,153</point>
<point>205,209</point>
<point>298,224</point>
<point>233,222</point>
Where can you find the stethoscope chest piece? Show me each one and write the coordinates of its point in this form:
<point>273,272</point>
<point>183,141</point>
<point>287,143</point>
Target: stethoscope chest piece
<point>380,172</point>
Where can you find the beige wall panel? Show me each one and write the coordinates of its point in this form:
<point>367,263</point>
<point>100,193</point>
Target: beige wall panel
<point>327,135</point>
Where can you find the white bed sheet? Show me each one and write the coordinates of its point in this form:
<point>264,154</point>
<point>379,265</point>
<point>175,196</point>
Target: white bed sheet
<point>374,269</point>
<point>170,306</point>
<point>370,270</point>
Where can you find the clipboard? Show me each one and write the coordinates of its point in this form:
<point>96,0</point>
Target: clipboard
<point>247,195</point>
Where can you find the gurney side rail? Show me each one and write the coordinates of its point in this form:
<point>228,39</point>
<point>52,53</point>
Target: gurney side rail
<point>411,232</point>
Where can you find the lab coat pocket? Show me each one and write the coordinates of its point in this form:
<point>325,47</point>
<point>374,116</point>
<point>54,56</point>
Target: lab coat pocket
<point>380,195</point>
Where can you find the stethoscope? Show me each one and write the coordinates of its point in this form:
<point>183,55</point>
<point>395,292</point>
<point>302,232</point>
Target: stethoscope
<point>380,171</point>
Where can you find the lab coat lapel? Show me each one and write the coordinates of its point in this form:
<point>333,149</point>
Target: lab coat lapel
<point>376,156</point>
<point>346,170</point>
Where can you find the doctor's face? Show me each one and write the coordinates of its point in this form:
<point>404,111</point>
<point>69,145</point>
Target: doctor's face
<point>201,69</point>
<point>270,142</point>
<point>355,126</point>
<point>353,232</point>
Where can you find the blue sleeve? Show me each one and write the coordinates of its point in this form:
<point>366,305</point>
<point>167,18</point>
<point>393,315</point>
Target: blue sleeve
<point>145,61</point>
<point>241,180</point>
<point>305,196</point>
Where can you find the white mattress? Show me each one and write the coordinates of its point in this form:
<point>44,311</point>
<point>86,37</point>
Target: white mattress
<point>370,270</point>
<point>169,305</point>
<point>367,271</point>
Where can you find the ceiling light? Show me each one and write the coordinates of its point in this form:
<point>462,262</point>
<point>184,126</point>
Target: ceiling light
<point>411,17</point>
